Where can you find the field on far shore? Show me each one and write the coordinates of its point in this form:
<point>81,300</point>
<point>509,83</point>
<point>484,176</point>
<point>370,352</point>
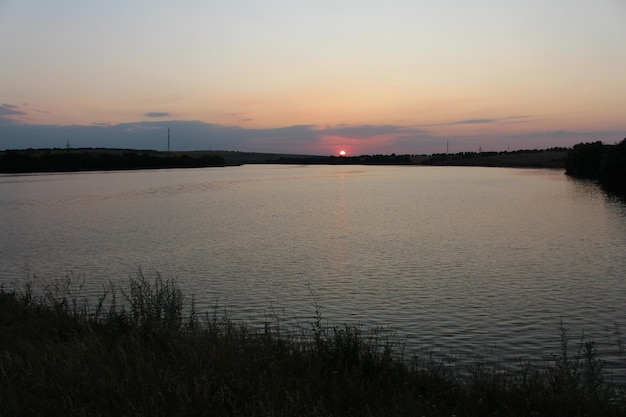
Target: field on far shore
<point>530,158</point>
<point>85,159</point>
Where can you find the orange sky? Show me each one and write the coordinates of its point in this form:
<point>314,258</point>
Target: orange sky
<point>528,73</point>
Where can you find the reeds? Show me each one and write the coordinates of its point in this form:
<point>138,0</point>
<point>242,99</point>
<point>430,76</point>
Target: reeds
<point>144,350</point>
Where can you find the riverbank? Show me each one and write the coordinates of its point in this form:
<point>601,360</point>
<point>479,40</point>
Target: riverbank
<point>144,350</point>
<point>544,158</point>
<point>97,159</point>
<point>596,161</point>
<point>87,159</point>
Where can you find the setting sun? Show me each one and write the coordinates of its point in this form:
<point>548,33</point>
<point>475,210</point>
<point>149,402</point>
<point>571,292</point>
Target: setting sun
<point>342,153</point>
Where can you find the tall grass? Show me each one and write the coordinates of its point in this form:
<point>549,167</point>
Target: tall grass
<point>144,350</point>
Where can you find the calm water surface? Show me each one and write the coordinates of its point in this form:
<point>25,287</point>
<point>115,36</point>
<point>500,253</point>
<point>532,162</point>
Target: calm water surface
<point>462,261</point>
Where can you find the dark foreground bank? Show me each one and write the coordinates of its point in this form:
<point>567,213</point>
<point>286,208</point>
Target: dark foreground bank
<point>143,350</point>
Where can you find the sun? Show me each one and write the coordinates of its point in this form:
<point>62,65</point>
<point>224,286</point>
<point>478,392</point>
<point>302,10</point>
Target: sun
<point>342,153</point>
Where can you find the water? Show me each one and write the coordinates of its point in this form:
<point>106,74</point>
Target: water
<point>460,261</point>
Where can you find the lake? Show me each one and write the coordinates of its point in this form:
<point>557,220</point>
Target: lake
<point>459,261</point>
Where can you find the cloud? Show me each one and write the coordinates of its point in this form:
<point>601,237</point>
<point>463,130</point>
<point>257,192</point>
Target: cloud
<point>472,121</point>
<point>481,121</point>
<point>579,136</point>
<point>186,135</point>
<point>239,117</point>
<point>368,131</point>
<point>10,110</point>
<point>157,114</point>
<point>9,113</point>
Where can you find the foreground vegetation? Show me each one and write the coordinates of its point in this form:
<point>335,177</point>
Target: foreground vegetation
<point>143,350</point>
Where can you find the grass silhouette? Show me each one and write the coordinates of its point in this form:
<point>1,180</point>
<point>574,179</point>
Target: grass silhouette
<point>144,350</point>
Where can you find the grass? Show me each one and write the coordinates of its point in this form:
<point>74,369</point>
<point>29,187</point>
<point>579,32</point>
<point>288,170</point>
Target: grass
<point>144,350</point>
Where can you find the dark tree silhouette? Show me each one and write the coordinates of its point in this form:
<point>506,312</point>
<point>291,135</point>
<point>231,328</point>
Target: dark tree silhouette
<point>604,163</point>
<point>60,160</point>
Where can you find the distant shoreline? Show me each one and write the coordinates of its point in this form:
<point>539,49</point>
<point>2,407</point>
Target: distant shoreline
<point>104,159</point>
<point>88,159</point>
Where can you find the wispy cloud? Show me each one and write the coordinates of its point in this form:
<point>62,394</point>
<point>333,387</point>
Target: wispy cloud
<point>240,117</point>
<point>10,112</point>
<point>487,120</point>
<point>368,131</point>
<point>472,121</point>
<point>157,114</point>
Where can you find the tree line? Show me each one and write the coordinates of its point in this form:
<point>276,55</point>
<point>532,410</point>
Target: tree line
<point>70,160</point>
<point>597,161</point>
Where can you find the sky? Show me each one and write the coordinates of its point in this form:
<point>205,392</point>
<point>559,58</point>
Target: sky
<point>312,77</point>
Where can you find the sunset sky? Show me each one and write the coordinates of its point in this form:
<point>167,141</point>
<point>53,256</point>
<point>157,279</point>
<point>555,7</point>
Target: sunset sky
<point>312,77</point>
